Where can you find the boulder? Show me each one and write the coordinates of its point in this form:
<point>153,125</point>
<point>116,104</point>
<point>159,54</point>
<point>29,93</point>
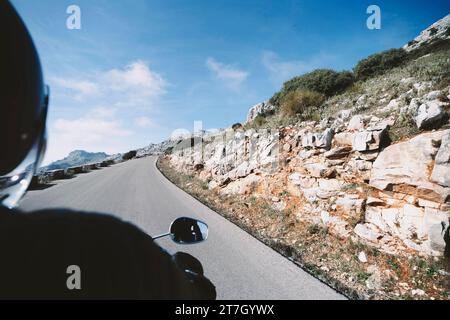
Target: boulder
<point>259,109</point>
<point>310,194</point>
<point>305,154</point>
<point>279,206</point>
<point>325,139</point>
<point>362,257</point>
<point>205,175</point>
<point>372,139</point>
<point>430,115</point>
<point>392,105</point>
<point>441,170</point>
<point>287,147</point>
<point>338,152</point>
<point>344,138</point>
<point>436,225</point>
<point>362,165</point>
<point>367,232</point>
<point>335,225</point>
<point>344,114</point>
<point>356,123</point>
<point>368,156</point>
<point>213,184</point>
<point>406,222</point>
<point>374,282</point>
<point>330,184</point>
<point>301,181</point>
<point>433,95</point>
<point>350,204</point>
<point>309,140</point>
<point>316,140</point>
<point>242,186</point>
<point>361,140</point>
<point>328,188</point>
<point>242,170</point>
<point>405,167</point>
<point>319,170</point>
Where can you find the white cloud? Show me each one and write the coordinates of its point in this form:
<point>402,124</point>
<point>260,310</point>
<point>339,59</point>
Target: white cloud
<point>143,122</point>
<point>89,133</point>
<point>134,85</point>
<point>281,71</point>
<point>137,78</point>
<point>231,76</point>
<point>103,112</point>
<point>81,88</point>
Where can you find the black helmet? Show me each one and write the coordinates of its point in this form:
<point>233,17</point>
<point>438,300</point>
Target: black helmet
<point>23,110</point>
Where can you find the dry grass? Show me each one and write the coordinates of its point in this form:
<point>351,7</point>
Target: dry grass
<point>302,102</point>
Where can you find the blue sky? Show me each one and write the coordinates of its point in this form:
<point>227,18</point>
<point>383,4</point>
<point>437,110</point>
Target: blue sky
<point>137,70</point>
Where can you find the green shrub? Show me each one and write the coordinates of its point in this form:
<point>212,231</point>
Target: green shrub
<point>404,127</point>
<point>236,126</point>
<point>303,102</point>
<point>259,120</point>
<point>435,46</point>
<point>378,63</point>
<point>433,31</point>
<point>325,81</point>
<point>129,155</point>
<point>168,151</point>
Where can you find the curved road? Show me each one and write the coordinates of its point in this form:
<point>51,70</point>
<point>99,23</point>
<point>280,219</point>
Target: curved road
<point>240,266</point>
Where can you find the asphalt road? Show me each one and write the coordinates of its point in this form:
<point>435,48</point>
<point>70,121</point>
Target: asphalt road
<point>240,266</point>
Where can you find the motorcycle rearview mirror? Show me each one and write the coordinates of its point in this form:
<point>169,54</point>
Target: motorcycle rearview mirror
<point>186,231</point>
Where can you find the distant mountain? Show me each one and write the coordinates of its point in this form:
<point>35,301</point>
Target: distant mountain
<point>76,158</point>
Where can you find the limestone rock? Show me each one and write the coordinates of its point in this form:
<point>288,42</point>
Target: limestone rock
<point>441,170</point>
<point>350,204</point>
<point>337,152</point>
<point>436,224</point>
<point>361,140</point>
<point>356,123</point>
<point>374,281</point>
<point>405,167</point>
<point>310,194</point>
<point>305,154</point>
<point>344,138</point>
<point>301,180</point>
<point>430,115</point>
<point>328,188</point>
<point>406,222</point>
<point>319,170</point>
<point>368,156</point>
<point>316,140</point>
<point>432,95</point>
<point>241,186</point>
<point>367,232</point>
<point>325,139</point>
<point>258,109</point>
<point>362,257</point>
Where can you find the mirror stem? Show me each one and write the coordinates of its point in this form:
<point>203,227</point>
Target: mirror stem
<point>161,236</point>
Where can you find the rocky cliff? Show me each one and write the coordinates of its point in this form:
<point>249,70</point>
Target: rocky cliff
<point>375,167</point>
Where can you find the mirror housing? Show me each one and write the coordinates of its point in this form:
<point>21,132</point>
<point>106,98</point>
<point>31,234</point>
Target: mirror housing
<point>188,231</point>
